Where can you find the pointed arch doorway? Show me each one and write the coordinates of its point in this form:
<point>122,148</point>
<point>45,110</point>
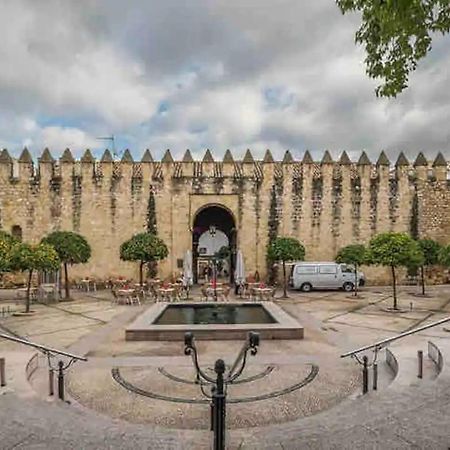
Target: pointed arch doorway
<point>214,228</point>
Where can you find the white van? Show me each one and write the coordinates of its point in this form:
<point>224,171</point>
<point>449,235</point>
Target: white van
<point>324,275</point>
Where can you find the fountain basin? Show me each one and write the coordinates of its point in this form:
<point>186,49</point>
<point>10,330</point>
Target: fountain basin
<point>213,321</point>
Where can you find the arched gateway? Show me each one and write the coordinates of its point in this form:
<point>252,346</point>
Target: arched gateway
<point>214,227</point>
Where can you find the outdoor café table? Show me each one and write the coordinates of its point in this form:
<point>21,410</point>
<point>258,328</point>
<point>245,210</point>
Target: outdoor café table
<point>262,293</point>
<point>126,294</point>
<point>86,283</point>
<point>167,293</point>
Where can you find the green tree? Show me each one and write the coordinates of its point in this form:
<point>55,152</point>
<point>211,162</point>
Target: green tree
<point>72,248</point>
<point>394,250</point>
<point>285,249</point>
<point>355,254</point>
<point>152,229</point>
<point>6,243</point>
<point>26,257</point>
<point>430,251</point>
<point>272,233</point>
<point>396,34</point>
<point>145,248</point>
<point>444,256</point>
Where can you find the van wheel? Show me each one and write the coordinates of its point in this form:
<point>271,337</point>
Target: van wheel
<point>348,287</point>
<point>306,287</point>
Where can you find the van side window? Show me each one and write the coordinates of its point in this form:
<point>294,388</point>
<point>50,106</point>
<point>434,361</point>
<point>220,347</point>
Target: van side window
<point>306,270</point>
<point>328,269</point>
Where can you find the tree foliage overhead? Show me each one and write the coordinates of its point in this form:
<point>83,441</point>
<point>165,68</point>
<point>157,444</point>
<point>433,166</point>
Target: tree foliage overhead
<point>396,34</point>
<point>286,249</point>
<point>72,248</point>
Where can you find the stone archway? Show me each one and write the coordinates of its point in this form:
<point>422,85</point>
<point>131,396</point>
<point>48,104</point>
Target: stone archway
<point>204,246</point>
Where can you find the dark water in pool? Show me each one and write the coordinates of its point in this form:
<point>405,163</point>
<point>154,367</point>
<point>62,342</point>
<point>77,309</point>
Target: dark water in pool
<point>213,314</point>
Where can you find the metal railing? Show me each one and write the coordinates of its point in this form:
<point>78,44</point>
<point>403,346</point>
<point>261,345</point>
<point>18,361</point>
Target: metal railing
<point>50,353</point>
<point>377,346</point>
<point>380,344</point>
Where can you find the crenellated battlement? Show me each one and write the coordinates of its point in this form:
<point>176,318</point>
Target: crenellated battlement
<point>24,168</point>
<point>326,204</point>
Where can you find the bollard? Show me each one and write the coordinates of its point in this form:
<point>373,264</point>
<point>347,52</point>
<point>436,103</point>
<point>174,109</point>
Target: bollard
<point>2,372</point>
<point>61,380</point>
<point>375,376</point>
<point>365,376</point>
<point>420,363</point>
<point>51,382</point>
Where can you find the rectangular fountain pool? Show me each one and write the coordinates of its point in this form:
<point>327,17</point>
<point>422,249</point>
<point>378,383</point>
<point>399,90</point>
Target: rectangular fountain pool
<point>168,321</point>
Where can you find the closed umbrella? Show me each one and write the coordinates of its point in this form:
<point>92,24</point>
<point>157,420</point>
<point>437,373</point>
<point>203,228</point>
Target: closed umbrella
<point>188,277</point>
<point>239,273</point>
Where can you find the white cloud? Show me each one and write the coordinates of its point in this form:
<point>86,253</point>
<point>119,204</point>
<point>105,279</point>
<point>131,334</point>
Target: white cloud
<point>177,75</point>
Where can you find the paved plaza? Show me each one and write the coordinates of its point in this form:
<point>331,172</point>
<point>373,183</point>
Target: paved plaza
<point>294,393</point>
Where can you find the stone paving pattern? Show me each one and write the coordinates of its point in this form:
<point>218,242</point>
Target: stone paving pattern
<point>399,416</point>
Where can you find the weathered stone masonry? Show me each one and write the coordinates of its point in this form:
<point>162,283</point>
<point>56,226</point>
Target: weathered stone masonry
<point>326,205</point>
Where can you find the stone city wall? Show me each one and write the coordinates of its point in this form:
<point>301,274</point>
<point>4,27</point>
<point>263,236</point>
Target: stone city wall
<point>326,204</point>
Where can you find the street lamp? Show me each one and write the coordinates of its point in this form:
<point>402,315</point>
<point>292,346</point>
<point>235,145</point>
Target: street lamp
<point>212,232</point>
<point>218,394</point>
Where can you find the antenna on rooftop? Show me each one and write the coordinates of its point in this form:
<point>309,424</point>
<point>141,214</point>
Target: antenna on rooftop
<point>110,138</point>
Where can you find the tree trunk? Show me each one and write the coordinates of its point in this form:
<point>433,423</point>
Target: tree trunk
<point>66,281</point>
<point>394,287</point>
<point>422,279</point>
<point>141,265</point>
<point>60,282</point>
<point>27,300</point>
<point>284,281</point>
<point>356,281</point>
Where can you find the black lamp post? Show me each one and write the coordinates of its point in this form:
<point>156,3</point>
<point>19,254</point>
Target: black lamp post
<point>218,394</point>
<point>212,232</point>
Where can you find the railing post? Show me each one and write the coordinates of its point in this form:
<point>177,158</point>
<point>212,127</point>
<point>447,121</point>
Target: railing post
<point>420,363</point>
<point>2,372</point>
<point>375,376</point>
<point>60,380</point>
<point>365,375</point>
<point>51,390</point>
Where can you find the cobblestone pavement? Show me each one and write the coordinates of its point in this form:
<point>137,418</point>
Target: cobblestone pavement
<point>405,417</point>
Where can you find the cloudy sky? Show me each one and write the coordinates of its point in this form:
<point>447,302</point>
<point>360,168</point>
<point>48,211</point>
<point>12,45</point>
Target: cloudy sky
<point>218,74</point>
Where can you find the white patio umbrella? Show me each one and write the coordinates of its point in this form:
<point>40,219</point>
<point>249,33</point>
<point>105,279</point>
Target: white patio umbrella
<point>239,273</point>
<point>188,277</point>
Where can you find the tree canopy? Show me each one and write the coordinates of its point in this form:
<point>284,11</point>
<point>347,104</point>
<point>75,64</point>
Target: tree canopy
<point>26,257</point>
<point>145,248</point>
<point>285,249</point>
<point>355,254</point>
<point>396,34</point>
<point>444,256</point>
<point>6,243</point>
<point>395,250</point>
<point>352,254</point>
<point>430,250</point>
<point>72,248</point>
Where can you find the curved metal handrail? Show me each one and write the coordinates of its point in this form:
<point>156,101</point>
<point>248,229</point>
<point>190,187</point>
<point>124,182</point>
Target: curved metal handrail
<point>380,344</point>
<point>46,350</point>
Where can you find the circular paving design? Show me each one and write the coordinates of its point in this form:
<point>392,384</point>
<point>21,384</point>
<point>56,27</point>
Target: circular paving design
<point>168,395</point>
<point>310,377</point>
